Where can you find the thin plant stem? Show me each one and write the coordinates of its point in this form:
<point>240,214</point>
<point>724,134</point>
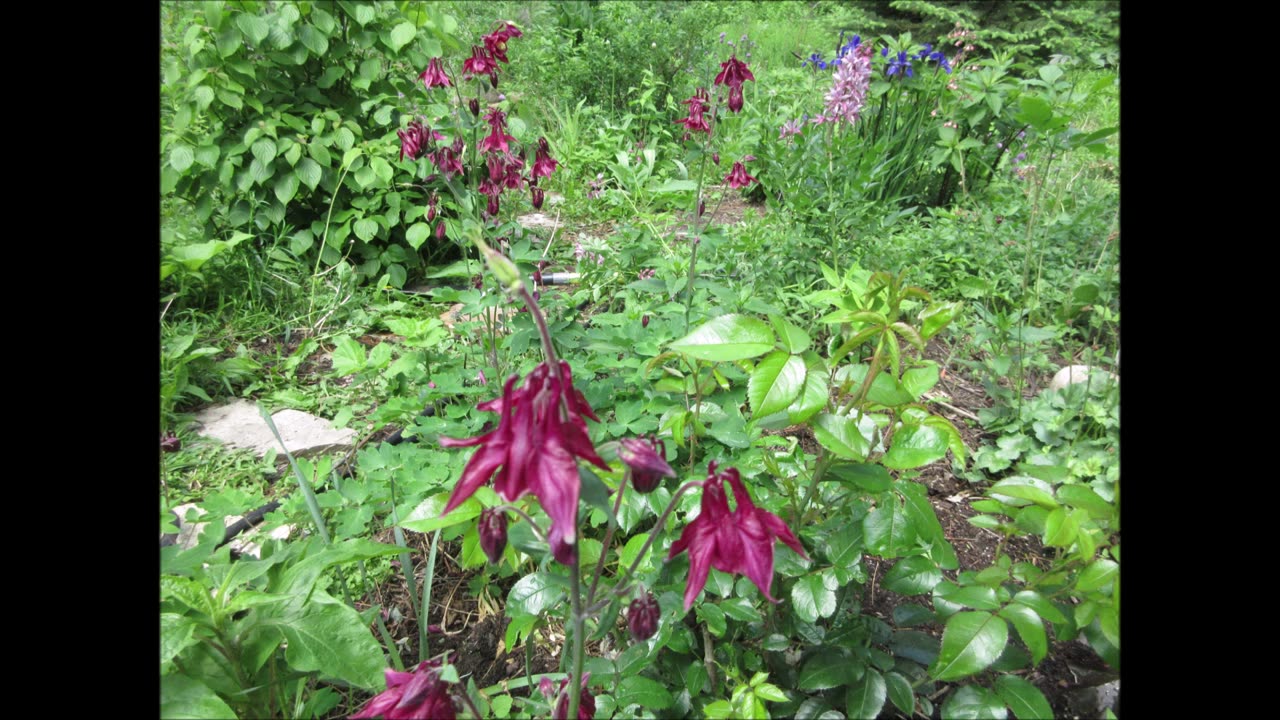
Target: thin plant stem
<point>608,535</point>
<point>576,620</point>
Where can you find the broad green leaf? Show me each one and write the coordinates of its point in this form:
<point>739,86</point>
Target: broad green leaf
<point>181,157</point>
<point>775,383</point>
<point>815,393</point>
<point>365,228</point>
<point>695,677</point>
<point>870,477</point>
<point>183,698</point>
<point>887,530</point>
<point>426,516</point>
<point>1030,628</point>
<point>770,692</point>
<point>255,29</point>
<point>866,697</point>
<point>915,575</point>
<point>1060,528</point>
<point>884,390</point>
<point>402,35</point>
<point>974,596</point>
<point>535,593</point>
<point>814,596</point>
<point>1083,496</point>
<point>713,616</point>
<point>900,692</point>
<point>264,149</point>
<point>417,234</point>
<point>331,638</point>
<point>1099,573</point>
<point>915,446</point>
<point>309,172</point>
<point>313,40</point>
<point>1024,488</point>
<point>176,634</point>
<point>844,545</point>
<point>973,702</point>
<point>1035,111</point>
<point>915,645</point>
<point>970,643</point>
<point>286,187</point>
<point>627,556</point>
<point>918,381</point>
<point>936,317</point>
<point>827,669</point>
<point>1024,699</point>
<point>842,436</point>
<point>794,340</point>
<point>727,338</point>
<point>648,693</point>
<point>1041,605</point>
<point>348,356</point>
<point>740,609</point>
<point>908,615</point>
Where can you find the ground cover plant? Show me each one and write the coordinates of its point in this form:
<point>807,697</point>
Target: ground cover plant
<point>699,359</point>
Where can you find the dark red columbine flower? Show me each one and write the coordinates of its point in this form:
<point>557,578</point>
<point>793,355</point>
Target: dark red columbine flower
<point>697,106</point>
<point>734,72</point>
<point>493,533</point>
<point>493,190</point>
<point>543,163</point>
<point>434,75</point>
<point>412,695</point>
<point>738,542</point>
<point>586,701</point>
<point>540,433</point>
<point>449,159</point>
<point>646,459</point>
<point>474,105</point>
<point>480,63</point>
<point>415,139</point>
<point>170,443</point>
<point>738,177</point>
<point>643,616</point>
<point>496,41</point>
<point>431,206</point>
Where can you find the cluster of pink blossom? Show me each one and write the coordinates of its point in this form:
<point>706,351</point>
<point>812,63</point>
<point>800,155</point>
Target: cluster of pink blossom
<point>848,88</point>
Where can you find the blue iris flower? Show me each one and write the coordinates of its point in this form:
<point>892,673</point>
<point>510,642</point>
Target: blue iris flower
<point>900,65</point>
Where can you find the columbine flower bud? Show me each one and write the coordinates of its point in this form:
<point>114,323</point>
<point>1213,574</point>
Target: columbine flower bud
<point>715,158</point>
<point>642,617</point>
<point>644,321</point>
<point>440,231</point>
<point>645,459</point>
<point>474,106</point>
<point>493,534</point>
<point>537,195</point>
<point>702,207</point>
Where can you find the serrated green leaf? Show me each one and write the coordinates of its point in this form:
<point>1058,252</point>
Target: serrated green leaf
<point>815,393</point>
<point>1030,628</point>
<point>348,356</point>
<point>814,596</point>
<point>973,702</point>
<point>1083,496</point>
<point>365,228</point>
<point>865,698</point>
<point>255,29</point>
<point>727,338</point>
<point>1024,699</point>
<point>915,446</point>
<point>794,340</point>
<point>713,617</point>
<point>775,383</point>
<point>908,615</point>
<point>309,172</point>
<point>970,643</point>
<point>920,380</point>
<point>828,669</point>
<point>176,634</point>
<point>535,593</point>
<point>869,477</point>
<point>331,638</point>
<point>1060,528</point>
<point>915,575</point>
<point>183,698</point>
<point>900,692</point>
<point>841,435</point>
<point>887,531</point>
<point>1041,605</point>
<point>740,609</point>
<point>936,317</point>
<point>313,40</point>
<point>1097,574</point>
<point>974,596</point>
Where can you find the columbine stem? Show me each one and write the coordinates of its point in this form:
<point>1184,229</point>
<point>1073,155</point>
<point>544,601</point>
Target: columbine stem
<point>575,677</point>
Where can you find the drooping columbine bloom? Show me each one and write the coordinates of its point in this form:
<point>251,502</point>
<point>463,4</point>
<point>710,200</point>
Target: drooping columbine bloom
<point>734,72</point>
<point>646,459</point>
<point>480,63</point>
<point>738,542</point>
<point>540,433</point>
<point>496,41</point>
<point>415,139</point>
<point>497,140</point>
<point>586,701</point>
<point>738,177</point>
<point>412,695</point>
<point>449,159</point>
<point>543,163</point>
<point>697,106</point>
<point>434,75</point>
<point>643,616</point>
<point>493,533</point>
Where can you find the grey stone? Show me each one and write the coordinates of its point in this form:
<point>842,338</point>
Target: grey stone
<point>1094,701</point>
<point>239,425</point>
<point>537,220</point>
